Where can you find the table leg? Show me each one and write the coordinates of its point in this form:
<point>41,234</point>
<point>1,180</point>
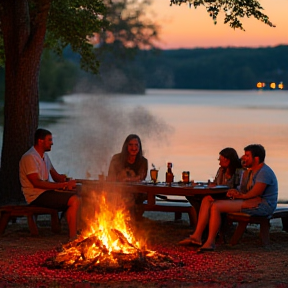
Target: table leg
<point>151,199</point>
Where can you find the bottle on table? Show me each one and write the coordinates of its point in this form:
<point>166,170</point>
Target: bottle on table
<point>169,173</point>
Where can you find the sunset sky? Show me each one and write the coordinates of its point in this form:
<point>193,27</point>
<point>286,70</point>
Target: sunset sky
<point>182,27</point>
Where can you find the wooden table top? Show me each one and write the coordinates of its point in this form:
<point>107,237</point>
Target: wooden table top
<point>176,188</point>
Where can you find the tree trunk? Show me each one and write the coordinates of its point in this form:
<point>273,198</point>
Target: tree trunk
<point>23,42</point>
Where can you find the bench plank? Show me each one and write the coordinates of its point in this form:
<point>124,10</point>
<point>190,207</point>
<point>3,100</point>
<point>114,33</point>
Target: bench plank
<point>244,219</point>
<point>9,212</point>
<point>173,206</point>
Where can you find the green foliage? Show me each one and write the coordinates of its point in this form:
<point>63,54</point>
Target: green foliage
<point>214,68</point>
<point>129,24</point>
<point>2,56</point>
<point>72,22</point>
<point>57,77</point>
<point>129,31</point>
<point>2,84</point>
<point>116,76</point>
<point>233,10</point>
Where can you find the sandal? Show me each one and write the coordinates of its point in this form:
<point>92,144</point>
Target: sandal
<point>190,241</point>
<point>195,242</point>
<point>206,249</point>
<point>186,241</point>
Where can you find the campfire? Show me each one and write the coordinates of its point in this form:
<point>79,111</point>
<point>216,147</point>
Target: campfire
<point>109,245</point>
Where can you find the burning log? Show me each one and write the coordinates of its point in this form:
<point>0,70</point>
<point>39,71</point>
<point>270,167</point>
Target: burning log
<point>76,256</point>
<point>108,247</point>
<point>123,240</point>
<point>122,262</point>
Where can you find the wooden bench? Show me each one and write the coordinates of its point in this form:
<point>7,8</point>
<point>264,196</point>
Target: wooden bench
<point>245,219</point>
<point>10,212</point>
<point>176,206</point>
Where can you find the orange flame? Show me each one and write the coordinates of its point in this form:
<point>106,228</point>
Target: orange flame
<point>109,221</point>
<point>109,235</point>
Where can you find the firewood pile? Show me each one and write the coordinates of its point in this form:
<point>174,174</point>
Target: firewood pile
<point>90,254</point>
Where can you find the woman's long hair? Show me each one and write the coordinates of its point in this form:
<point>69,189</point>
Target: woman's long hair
<point>124,152</point>
<point>231,154</point>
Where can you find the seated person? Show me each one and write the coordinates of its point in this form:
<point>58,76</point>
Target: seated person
<point>244,175</point>
<point>35,168</point>
<point>130,165</point>
<point>259,200</point>
<point>227,174</point>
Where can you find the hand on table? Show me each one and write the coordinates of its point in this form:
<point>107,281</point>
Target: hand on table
<point>212,184</point>
<point>70,185</point>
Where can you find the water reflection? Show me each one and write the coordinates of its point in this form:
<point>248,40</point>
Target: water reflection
<point>187,128</point>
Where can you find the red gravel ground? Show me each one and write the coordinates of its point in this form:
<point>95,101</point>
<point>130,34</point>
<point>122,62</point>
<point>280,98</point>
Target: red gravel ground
<point>247,264</point>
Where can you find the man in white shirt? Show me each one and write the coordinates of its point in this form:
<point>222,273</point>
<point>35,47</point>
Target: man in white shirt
<point>34,168</point>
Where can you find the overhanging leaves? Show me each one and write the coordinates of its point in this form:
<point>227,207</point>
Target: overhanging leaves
<point>72,23</point>
<point>234,10</point>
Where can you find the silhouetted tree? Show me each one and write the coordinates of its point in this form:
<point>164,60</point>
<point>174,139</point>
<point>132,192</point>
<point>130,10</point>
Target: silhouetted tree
<point>26,26</point>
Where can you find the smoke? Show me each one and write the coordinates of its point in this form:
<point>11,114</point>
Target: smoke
<point>96,131</point>
<point>111,80</point>
<point>161,77</point>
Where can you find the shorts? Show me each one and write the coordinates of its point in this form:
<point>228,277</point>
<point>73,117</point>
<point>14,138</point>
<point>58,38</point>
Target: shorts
<point>263,209</point>
<point>53,199</point>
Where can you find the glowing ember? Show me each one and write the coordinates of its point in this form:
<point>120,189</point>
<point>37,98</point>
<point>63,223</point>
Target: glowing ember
<point>109,245</point>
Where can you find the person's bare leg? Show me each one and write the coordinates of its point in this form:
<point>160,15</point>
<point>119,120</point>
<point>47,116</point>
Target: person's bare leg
<point>71,215</point>
<point>203,219</point>
<point>218,207</point>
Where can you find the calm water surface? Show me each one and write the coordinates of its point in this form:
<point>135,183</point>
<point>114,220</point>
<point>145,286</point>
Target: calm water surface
<point>204,122</point>
<point>185,127</point>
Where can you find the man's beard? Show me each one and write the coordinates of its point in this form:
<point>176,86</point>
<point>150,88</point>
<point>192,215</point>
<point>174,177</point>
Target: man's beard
<point>249,165</point>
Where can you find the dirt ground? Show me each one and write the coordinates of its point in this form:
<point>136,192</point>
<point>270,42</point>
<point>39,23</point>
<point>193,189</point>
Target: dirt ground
<point>247,264</point>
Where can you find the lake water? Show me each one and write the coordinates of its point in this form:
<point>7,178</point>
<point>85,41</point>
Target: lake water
<point>185,127</point>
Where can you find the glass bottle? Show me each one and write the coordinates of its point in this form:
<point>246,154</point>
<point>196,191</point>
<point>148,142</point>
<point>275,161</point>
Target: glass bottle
<point>169,173</point>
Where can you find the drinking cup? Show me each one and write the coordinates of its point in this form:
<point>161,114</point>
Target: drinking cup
<point>154,175</point>
<point>185,177</point>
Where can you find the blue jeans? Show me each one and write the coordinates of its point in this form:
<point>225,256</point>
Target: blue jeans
<point>263,209</point>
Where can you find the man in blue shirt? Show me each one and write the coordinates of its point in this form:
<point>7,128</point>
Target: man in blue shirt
<point>259,199</point>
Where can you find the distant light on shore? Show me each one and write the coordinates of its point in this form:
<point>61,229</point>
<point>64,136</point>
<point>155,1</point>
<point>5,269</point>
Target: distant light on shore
<point>272,85</point>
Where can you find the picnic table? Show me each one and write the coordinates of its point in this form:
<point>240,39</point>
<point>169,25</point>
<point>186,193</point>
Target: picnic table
<point>160,196</point>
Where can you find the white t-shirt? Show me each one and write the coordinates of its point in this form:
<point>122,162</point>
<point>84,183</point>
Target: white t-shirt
<point>31,162</point>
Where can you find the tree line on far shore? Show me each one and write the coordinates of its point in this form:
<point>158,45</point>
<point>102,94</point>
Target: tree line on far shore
<point>211,68</point>
<point>216,68</point>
